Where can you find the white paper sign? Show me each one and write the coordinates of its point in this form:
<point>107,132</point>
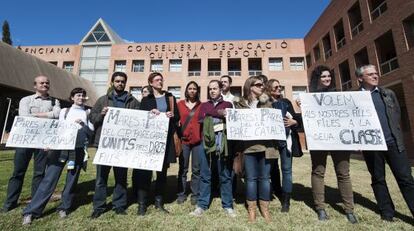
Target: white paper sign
<point>40,133</point>
<point>341,121</point>
<point>255,124</point>
<point>132,139</point>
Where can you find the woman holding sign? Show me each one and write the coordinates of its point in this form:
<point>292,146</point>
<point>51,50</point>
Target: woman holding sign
<point>157,101</point>
<point>286,148</point>
<point>322,81</point>
<point>257,153</point>
<point>75,158</point>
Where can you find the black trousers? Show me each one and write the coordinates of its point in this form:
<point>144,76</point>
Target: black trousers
<point>401,169</point>
<point>22,159</point>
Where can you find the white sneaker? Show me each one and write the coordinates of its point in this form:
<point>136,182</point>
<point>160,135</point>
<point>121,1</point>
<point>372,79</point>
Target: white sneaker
<point>230,212</point>
<point>198,212</point>
<point>62,214</point>
<point>27,219</point>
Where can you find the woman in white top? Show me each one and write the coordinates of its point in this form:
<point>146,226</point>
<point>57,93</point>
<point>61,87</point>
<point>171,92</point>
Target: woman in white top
<point>79,114</point>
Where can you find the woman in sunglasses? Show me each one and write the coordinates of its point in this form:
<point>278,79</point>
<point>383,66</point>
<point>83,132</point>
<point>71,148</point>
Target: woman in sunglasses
<point>257,153</point>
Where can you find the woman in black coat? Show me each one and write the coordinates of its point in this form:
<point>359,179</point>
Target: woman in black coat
<point>157,101</point>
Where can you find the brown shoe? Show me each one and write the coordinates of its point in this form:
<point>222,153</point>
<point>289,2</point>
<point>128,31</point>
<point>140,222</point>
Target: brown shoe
<point>264,209</point>
<point>251,208</point>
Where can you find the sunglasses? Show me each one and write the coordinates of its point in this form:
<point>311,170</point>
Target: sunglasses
<point>258,85</point>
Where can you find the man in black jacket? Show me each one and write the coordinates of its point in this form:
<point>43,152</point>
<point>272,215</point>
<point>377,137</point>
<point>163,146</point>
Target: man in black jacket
<point>388,110</point>
<point>118,97</point>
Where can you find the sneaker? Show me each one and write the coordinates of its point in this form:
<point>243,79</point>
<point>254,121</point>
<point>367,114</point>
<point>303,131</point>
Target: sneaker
<point>198,212</point>
<point>62,214</point>
<point>27,219</point>
<point>181,199</point>
<point>230,212</point>
<point>96,213</point>
<point>120,211</point>
<point>71,165</point>
<point>194,200</point>
<point>322,216</point>
<point>351,218</point>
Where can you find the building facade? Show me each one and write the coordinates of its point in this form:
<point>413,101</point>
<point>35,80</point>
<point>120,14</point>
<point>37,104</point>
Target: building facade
<point>352,33</point>
<point>102,51</point>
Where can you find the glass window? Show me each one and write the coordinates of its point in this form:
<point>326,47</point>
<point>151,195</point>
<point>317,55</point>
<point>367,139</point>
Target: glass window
<point>176,91</point>
<point>175,65</point>
<point>68,66</point>
<point>297,63</point>
<point>120,65</point>
<point>275,64</point>
<point>296,90</point>
<point>136,92</point>
<point>156,66</point>
<point>138,66</point>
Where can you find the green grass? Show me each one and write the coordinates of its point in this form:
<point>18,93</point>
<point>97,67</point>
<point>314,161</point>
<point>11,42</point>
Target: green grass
<point>300,217</point>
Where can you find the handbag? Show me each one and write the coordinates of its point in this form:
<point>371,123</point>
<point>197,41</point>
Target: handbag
<point>176,138</point>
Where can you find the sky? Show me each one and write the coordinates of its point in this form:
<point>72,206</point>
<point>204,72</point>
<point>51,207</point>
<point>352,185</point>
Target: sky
<point>46,22</point>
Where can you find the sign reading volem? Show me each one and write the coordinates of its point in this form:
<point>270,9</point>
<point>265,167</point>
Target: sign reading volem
<point>41,133</point>
<point>132,139</point>
<point>255,124</point>
<point>341,121</point>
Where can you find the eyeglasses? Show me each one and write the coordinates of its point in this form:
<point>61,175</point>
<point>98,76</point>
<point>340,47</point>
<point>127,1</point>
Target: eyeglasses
<point>258,85</point>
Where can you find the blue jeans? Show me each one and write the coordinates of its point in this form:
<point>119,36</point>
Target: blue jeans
<point>286,166</point>
<point>48,185</point>
<point>22,158</point>
<point>196,151</point>
<point>257,170</point>
<point>224,167</point>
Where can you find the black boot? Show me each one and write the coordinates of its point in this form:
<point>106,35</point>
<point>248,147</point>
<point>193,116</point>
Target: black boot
<point>142,202</point>
<point>285,202</point>
<point>159,204</point>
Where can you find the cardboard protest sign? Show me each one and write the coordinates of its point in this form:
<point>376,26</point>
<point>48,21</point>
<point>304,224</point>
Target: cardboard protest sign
<point>132,139</point>
<point>40,133</point>
<point>341,121</point>
<point>255,124</point>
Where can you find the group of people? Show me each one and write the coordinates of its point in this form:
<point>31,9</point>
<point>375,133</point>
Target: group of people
<point>202,128</point>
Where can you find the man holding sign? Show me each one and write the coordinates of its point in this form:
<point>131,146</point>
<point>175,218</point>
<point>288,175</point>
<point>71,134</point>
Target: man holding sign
<point>388,110</point>
<point>39,105</point>
<point>120,98</point>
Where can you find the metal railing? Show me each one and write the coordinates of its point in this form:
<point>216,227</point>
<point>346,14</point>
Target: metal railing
<point>379,10</point>
<point>255,72</point>
<point>389,65</point>
<point>340,43</point>
<point>328,53</point>
<point>234,73</point>
<point>357,29</point>
<point>194,73</point>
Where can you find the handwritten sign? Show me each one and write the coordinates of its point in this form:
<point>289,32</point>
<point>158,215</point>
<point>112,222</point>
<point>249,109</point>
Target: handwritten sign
<point>132,139</point>
<point>255,124</point>
<point>341,121</point>
<point>40,133</point>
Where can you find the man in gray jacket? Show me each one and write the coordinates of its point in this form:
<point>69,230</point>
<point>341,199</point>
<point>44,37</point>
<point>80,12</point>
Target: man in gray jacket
<point>389,114</point>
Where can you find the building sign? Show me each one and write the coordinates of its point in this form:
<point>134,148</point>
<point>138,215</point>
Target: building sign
<point>198,50</point>
<point>341,121</point>
<point>46,50</point>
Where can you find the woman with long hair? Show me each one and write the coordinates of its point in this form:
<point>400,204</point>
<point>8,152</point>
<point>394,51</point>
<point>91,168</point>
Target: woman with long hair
<point>322,81</point>
<point>284,192</point>
<point>257,153</point>
<point>157,101</point>
<point>189,110</point>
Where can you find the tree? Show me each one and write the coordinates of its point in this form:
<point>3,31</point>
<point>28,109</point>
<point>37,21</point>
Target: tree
<point>6,33</point>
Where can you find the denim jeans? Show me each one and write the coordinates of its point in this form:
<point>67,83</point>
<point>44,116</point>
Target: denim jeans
<point>184,161</point>
<point>286,166</point>
<point>48,185</point>
<point>22,158</point>
<point>224,167</point>
<point>401,169</point>
<point>257,170</point>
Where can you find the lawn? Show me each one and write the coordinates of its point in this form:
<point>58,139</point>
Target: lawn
<point>300,217</point>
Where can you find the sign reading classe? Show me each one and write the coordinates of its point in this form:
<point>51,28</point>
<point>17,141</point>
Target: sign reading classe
<point>40,133</point>
<point>255,124</point>
<point>132,139</point>
<point>341,121</point>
